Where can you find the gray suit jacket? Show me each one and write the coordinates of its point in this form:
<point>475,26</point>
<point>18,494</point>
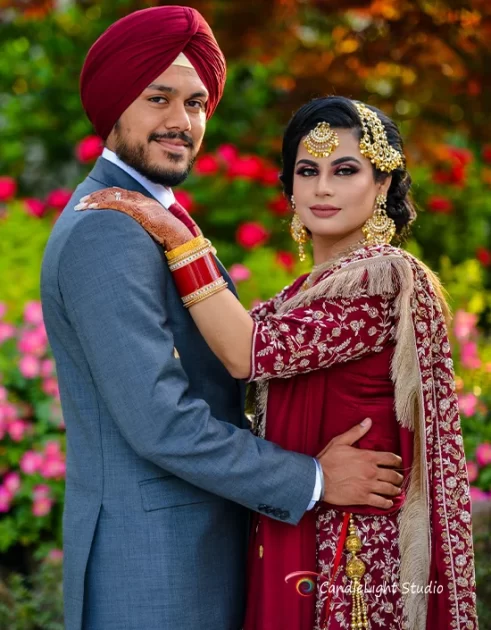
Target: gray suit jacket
<point>161,467</point>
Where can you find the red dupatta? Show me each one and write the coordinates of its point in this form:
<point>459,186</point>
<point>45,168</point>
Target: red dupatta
<point>435,536</point>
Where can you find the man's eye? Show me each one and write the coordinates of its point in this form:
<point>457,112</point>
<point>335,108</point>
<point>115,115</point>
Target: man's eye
<point>158,99</point>
<point>196,104</point>
<point>307,172</point>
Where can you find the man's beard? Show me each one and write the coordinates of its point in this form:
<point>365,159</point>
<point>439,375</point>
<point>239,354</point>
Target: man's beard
<point>135,156</point>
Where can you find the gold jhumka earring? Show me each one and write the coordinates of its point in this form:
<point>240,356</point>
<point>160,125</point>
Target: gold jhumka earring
<point>298,232</point>
<point>380,228</point>
<point>321,141</point>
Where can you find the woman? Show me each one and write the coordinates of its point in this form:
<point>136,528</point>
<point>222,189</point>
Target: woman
<point>363,334</point>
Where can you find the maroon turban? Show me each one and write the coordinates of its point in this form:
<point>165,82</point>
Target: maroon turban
<point>135,50</point>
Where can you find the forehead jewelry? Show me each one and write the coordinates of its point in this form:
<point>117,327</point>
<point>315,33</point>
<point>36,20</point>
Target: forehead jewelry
<point>374,144</point>
<point>321,141</point>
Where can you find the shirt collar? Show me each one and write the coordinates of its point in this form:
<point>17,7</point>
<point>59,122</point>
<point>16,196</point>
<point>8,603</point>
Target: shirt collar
<point>163,195</point>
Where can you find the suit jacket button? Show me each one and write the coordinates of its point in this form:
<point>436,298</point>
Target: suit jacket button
<point>268,509</point>
<point>277,512</point>
<point>285,515</point>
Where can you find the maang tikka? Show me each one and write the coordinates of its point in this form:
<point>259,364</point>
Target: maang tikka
<point>298,232</point>
<point>380,228</point>
<point>322,140</point>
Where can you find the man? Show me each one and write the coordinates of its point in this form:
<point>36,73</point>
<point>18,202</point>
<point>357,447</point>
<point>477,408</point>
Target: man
<point>161,467</point>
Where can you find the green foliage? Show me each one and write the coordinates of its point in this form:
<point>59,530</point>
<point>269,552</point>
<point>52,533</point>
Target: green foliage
<point>34,603</point>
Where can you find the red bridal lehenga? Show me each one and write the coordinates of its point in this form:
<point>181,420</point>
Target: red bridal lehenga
<point>368,339</point>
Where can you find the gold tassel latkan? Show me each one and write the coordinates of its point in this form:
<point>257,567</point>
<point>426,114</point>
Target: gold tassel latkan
<point>355,570</point>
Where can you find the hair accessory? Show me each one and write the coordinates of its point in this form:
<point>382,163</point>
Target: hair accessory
<point>374,144</point>
<point>322,140</point>
<point>299,235</point>
<point>380,228</point>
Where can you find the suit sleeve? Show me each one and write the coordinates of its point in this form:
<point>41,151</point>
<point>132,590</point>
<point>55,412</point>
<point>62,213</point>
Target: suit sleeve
<point>112,279</point>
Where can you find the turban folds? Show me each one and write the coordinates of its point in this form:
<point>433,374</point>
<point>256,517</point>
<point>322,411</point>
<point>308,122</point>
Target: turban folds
<point>135,50</point>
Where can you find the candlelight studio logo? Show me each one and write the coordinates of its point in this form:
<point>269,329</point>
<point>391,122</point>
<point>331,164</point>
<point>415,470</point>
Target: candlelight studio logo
<point>307,583</point>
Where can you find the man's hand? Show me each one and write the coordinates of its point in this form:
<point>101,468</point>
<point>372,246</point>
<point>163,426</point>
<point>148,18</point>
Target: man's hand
<point>353,476</point>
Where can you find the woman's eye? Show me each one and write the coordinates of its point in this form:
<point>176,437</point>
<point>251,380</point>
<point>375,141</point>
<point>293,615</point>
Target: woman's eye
<point>307,172</point>
<point>346,170</point>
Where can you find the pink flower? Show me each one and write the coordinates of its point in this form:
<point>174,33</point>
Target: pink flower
<point>47,368</point>
<point>206,165</point>
<point>11,482</point>
<point>477,494</point>
<point>55,556</point>
<point>33,313</point>
<point>3,394</point>
<point>468,404</point>
<point>286,260</point>
<point>5,499</point>
<point>227,153</point>
<point>8,412</point>
<point>483,454</point>
<point>35,207</point>
<point>50,387</point>
<point>17,430</point>
<point>472,471</point>
<point>185,199</point>
<point>89,149</point>
<point>468,355</point>
<point>7,331</point>
<point>33,341</point>
<point>8,188</point>
<point>31,462</point>
<point>29,366</point>
<point>53,468</point>
<point>58,198</point>
<point>52,448</point>
<point>42,506</point>
<point>464,324</point>
<point>251,235</point>
<point>41,491</point>
<point>239,273</point>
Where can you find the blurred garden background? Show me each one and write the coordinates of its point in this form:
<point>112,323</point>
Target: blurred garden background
<point>426,63</point>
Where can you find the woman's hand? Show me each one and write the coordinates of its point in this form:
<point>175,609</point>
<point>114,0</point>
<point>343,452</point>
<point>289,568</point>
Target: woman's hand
<point>156,220</point>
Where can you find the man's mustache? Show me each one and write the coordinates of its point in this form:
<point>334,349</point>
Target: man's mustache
<point>175,135</point>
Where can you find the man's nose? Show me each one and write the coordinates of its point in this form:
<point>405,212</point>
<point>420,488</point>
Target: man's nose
<point>177,118</point>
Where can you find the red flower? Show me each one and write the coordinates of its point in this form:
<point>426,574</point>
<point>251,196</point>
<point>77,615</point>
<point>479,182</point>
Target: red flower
<point>441,177</point>
<point>460,156</point>
<point>8,188</point>
<point>89,149</point>
<point>249,167</point>
<point>279,206</point>
<point>35,207</point>
<point>58,198</point>
<point>486,153</point>
<point>206,165</point>
<point>251,235</point>
<point>227,153</point>
<point>457,175</point>
<point>483,255</point>
<point>270,176</point>
<point>286,260</point>
<point>440,205</point>
<point>185,199</point>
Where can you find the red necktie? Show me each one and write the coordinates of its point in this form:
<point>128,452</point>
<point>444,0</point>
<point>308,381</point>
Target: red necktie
<point>183,215</point>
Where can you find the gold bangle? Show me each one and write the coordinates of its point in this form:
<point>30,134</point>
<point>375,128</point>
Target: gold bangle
<point>182,262</point>
<point>206,246</point>
<point>204,292</point>
<point>185,248</point>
